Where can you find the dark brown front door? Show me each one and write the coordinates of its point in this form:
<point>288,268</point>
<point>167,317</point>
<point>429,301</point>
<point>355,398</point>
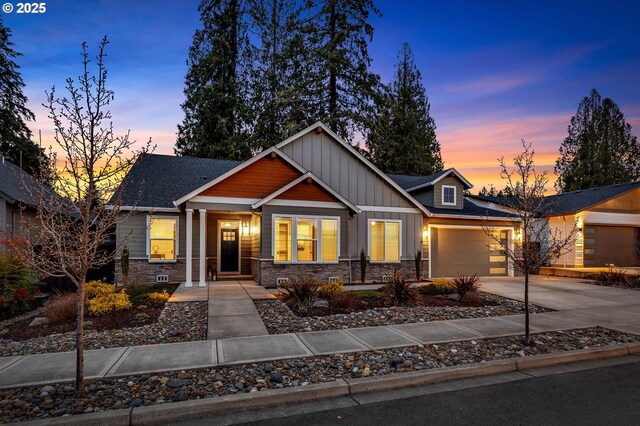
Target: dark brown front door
<point>229,249</point>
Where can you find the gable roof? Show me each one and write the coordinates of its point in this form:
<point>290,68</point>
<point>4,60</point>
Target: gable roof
<point>359,156</point>
<point>413,183</point>
<point>16,185</point>
<point>571,202</point>
<point>155,180</point>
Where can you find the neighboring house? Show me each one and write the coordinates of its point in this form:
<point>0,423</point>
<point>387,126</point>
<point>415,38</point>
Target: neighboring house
<point>16,202</point>
<point>308,205</point>
<point>607,220</point>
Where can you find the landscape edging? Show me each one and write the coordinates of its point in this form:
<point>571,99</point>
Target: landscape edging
<point>184,410</point>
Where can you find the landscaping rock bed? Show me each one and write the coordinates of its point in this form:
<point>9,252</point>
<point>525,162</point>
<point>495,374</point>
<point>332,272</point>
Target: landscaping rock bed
<point>108,394</point>
<point>279,319</point>
<point>178,322</point>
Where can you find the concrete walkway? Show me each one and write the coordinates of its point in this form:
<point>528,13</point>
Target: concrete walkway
<point>580,305</point>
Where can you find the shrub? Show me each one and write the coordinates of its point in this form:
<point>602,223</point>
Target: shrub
<point>466,285</point>
<point>346,300</point>
<point>142,316</point>
<point>437,287</point>
<point>157,298</point>
<point>108,304</point>
<point>399,291</point>
<point>61,308</point>
<point>139,295</point>
<point>93,289</point>
<point>16,285</point>
<point>615,276</point>
<point>363,265</point>
<point>418,261</point>
<point>301,291</point>
<point>331,290</point>
<point>369,294</point>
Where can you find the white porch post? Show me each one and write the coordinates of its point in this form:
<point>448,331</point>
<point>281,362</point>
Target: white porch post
<point>203,247</point>
<point>189,262</point>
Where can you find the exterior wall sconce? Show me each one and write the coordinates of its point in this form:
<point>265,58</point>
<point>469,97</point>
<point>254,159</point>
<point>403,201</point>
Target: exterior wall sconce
<point>245,228</point>
<point>425,234</point>
<point>519,235</point>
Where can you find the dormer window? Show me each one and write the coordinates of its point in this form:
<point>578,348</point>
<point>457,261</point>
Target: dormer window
<point>448,195</point>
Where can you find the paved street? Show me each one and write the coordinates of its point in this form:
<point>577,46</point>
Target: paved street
<point>609,395</point>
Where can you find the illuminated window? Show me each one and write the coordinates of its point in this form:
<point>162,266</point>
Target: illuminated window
<point>384,241</point>
<point>162,239</point>
<point>282,236</point>
<point>448,195</point>
<point>329,240</point>
<point>316,239</point>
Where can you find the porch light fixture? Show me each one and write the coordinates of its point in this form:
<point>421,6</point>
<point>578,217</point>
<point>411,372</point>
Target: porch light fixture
<point>245,228</point>
<point>519,234</point>
<point>425,234</point>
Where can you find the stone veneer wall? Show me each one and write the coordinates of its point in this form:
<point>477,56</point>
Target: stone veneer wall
<point>269,271</point>
<point>375,271</point>
<point>142,267</point>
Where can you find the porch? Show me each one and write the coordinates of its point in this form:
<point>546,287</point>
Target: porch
<point>220,245</point>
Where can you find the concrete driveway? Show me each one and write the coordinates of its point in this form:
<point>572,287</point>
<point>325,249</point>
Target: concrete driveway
<point>607,306</point>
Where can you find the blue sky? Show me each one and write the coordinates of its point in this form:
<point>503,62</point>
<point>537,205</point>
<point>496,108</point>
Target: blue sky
<point>495,71</point>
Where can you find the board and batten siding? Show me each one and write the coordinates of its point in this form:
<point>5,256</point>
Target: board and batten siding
<point>411,232</point>
<point>343,171</point>
<point>267,224</point>
<point>437,193</point>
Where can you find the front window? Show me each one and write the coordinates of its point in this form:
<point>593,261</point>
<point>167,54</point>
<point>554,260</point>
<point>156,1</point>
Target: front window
<point>316,239</point>
<point>162,239</point>
<point>282,235</point>
<point>449,195</point>
<point>384,241</point>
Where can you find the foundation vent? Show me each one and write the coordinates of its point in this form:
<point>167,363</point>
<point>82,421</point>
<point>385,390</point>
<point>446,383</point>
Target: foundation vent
<point>333,279</point>
<point>163,278</point>
<point>281,281</point>
<point>386,278</point>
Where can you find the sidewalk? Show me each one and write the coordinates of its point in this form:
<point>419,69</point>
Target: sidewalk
<point>584,306</point>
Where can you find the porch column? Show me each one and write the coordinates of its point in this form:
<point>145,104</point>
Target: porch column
<point>203,248</point>
<point>189,263</point>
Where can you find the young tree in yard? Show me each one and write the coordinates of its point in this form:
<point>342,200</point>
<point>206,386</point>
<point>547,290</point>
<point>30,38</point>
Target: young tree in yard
<point>402,136</point>
<point>599,150</point>
<point>15,136</point>
<point>537,244</point>
<point>216,85</point>
<point>74,220</point>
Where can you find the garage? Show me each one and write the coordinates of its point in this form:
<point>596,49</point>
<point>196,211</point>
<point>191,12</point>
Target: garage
<point>616,245</point>
<point>465,251</point>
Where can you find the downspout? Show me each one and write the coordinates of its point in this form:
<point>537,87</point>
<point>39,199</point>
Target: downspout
<point>564,234</point>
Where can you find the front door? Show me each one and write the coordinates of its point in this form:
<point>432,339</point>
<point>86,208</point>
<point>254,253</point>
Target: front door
<point>229,246</point>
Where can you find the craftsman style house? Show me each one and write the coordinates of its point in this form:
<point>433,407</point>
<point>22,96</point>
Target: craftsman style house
<point>310,204</point>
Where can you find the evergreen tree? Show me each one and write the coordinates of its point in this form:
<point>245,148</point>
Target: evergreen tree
<point>402,135</point>
<point>216,85</point>
<point>15,136</point>
<point>340,86</point>
<point>599,150</point>
<point>277,84</point>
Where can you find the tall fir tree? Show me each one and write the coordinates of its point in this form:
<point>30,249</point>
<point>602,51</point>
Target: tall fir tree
<point>15,136</point>
<point>277,85</point>
<point>340,86</point>
<point>599,150</point>
<point>402,134</point>
<point>216,111</point>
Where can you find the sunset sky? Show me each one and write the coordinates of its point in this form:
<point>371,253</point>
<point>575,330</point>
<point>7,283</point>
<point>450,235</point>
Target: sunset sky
<point>495,72</point>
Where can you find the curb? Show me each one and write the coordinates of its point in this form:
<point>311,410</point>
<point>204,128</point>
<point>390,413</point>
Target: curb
<point>193,409</point>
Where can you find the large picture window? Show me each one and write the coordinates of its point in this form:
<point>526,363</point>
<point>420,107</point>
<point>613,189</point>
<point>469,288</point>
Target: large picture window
<point>162,240</point>
<point>384,241</point>
<point>305,239</point>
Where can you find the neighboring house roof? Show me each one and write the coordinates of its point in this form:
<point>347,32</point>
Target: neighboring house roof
<point>156,181</point>
<point>571,202</point>
<point>16,184</point>
<point>413,183</point>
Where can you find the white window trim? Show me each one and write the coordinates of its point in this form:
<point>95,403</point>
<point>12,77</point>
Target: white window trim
<point>294,238</point>
<point>399,222</point>
<point>176,242</point>
<point>455,195</point>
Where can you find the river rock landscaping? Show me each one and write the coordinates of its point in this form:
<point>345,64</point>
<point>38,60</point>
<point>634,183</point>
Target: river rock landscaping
<point>176,322</point>
<point>279,319</point>
<point>149,389</point>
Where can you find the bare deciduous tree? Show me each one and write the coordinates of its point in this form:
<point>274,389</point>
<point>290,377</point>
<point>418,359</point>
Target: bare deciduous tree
<point>537,244</point>
<point>71,194</point>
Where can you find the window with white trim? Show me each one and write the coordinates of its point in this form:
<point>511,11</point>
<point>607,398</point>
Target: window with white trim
<point>162,239</point>
<point>448,195</point>
<point>316,239</point>
<point>384,240</point>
